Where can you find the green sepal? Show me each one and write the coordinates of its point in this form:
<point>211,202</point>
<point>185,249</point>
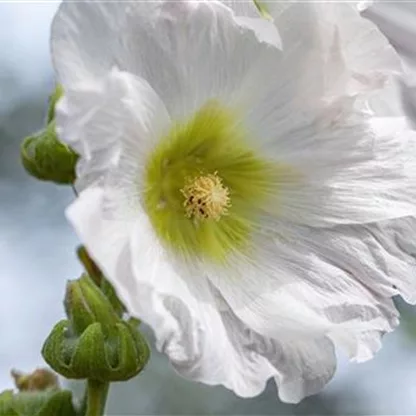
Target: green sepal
<point>53,99</point>
<point>113,356</point>
<point>111,295</point>
<point>49,403</point>
<point>46,158</point>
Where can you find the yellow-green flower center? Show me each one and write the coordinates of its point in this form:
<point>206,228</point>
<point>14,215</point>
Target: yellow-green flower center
<point>205,185</point>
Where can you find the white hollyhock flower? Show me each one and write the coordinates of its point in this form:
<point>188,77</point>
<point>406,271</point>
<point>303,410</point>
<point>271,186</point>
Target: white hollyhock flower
<point>245,198</point>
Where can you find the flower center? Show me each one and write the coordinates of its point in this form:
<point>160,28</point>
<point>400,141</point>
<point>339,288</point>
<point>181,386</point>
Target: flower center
<point>197,167</point>
<point>206,197</point>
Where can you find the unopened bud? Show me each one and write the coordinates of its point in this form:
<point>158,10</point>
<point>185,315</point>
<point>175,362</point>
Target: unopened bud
<point>94,343</point>
<point>48,159</point>
<point>85,304</point>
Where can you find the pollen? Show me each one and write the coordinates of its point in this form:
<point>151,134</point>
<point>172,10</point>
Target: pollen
<point>206,197</point>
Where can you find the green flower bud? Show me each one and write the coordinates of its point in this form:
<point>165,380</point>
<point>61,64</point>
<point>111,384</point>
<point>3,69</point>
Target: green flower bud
<point>111,295</point>
<point>94,343</point>
<point>85,304</point>
<point>53,99</point>
<point>46,158</point>
<point>48,403</point>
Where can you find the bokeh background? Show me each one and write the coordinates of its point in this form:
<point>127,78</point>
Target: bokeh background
<point>37,254</point>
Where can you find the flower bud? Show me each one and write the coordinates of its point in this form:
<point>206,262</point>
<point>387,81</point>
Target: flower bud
<point>46,158</point>
<point>94,343</point>
<point>85,304</point>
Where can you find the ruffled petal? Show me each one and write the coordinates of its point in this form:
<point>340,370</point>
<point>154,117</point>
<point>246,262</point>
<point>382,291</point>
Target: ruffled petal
<point>189,52</point>
<point>397,23</point>
<point>294,286</point>
<point>354,54</point>
<point>304,366</point>
<point>247,14</point>
<point>95,118</point>
<point>347,167</point>
<point>300,367</point>
<point>334,29</point>
<point>394,241</point>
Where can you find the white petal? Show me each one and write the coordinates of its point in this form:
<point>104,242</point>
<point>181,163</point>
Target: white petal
<point>348,167</point>
<point>377,255</point>
<point>87,216</point>
<point>397,23</point>
<point>304,366</point>
<point>394,241</point>
<point>243,8</point>
<point>365,51</point>
<point>189,52</point>
<point>292,288</point>
<point>264,29</point>
<point>248,15</point>
<point>354,53</point>
<point>408,95</point>
<point>300,367</point>
<point>95,118</point>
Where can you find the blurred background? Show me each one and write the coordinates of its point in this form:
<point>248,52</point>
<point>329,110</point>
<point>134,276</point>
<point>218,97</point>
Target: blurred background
<point>37,255</point>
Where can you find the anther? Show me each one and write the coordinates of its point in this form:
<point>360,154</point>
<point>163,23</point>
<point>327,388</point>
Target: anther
<point>206,197</point>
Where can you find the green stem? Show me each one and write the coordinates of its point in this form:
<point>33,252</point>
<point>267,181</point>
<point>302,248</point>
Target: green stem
<point>96,397</point>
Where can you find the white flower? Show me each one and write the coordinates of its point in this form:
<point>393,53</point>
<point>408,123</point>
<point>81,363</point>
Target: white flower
<point>247,198</point>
